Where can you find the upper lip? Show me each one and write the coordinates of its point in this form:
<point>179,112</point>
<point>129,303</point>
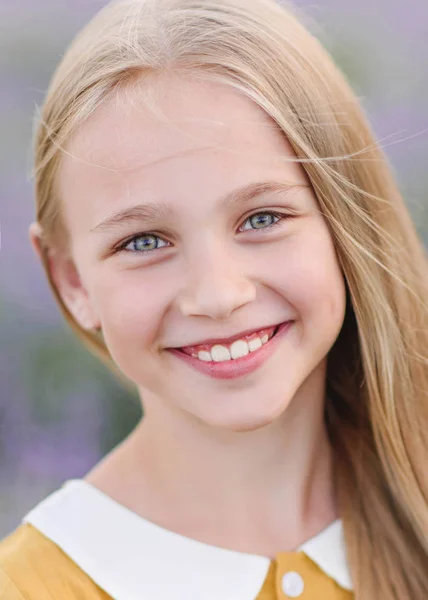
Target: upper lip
<point>231,339</point>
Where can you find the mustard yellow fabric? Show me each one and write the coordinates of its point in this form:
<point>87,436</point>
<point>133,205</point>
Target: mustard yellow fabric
<point>32,567</point>
<point>318,586</point>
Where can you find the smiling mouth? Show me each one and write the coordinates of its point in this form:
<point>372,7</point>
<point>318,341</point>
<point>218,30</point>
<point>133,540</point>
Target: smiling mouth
<point>220,352</point>
<point>268,329</point>
<point>241,360</point>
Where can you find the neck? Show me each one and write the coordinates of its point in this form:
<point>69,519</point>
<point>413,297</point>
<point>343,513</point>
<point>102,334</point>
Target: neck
<point>260,492</point>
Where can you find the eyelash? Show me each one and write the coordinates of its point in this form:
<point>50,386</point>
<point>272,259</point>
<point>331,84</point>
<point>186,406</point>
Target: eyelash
<point>122,247</point>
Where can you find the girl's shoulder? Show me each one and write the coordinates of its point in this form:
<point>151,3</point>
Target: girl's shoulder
<point>32,567</point>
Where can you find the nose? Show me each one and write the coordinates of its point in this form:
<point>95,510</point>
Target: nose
<point>215,286</point>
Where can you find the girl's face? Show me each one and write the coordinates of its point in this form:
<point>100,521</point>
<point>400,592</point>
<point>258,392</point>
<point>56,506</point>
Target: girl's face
<point>219,235</point>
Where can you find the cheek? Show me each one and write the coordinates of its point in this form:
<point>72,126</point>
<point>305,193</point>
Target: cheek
<point>129,310</point>
<point>314,281</point>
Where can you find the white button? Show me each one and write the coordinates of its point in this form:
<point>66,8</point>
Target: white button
<point>292,584</point>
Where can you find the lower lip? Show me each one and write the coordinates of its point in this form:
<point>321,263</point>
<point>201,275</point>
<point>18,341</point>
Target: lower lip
<point>230,369</point>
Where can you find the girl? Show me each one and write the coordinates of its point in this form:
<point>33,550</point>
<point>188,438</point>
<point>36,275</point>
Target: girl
<point>219,226</point>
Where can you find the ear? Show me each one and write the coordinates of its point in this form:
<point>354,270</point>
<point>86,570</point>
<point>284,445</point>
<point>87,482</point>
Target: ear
<point>67,281</point>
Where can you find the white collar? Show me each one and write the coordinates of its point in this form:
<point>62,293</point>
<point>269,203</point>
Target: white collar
<point>131,558</point>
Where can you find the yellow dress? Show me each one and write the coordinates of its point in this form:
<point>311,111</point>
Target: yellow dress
<point>79,544</point>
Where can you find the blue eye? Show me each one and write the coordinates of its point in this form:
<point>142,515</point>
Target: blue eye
<point>265,218</point>
<point>144,243</point>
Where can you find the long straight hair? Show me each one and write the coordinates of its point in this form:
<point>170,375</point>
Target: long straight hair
<point>377,379</point>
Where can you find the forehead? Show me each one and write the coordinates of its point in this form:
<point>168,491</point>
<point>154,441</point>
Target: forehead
<point>193,128</point>
<point>184,114</point>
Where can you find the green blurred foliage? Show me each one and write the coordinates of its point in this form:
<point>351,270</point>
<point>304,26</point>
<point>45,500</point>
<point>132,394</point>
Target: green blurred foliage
<point>55,366</point>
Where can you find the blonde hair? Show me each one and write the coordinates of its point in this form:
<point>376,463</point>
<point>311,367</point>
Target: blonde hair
<point>377,380</point>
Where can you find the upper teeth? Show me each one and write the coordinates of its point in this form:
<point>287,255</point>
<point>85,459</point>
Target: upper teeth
<point>239,348</point>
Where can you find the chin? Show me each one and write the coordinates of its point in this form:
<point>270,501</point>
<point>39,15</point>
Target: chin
<point>250,426</point>
<point>241,422</point>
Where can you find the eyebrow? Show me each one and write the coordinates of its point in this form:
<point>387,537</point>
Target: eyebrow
<point>155,211</point>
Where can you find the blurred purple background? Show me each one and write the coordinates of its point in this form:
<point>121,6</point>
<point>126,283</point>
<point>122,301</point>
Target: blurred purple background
<point>60,411</point>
